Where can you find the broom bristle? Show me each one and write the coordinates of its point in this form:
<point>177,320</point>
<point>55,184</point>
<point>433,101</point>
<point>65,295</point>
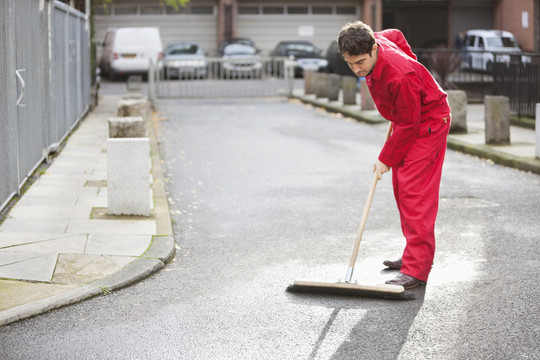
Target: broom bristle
<point>351,289</point>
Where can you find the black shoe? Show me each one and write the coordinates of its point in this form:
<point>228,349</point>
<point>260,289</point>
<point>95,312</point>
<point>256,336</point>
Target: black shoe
<point>408,282</point>
<point>394,265</point>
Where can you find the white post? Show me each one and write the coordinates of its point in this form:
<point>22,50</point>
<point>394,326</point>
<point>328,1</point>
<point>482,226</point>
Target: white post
<point>538,130</point>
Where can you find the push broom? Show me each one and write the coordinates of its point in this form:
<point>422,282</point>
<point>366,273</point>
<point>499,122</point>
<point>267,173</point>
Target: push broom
<point>347,287</point>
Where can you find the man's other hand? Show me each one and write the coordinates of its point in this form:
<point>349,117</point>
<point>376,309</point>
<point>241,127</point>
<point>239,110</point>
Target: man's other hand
<point>380,168</point>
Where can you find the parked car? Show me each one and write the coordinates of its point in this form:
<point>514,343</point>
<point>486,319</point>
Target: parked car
<point>128,50</point>
<point>336,64</point>
<point>484,48</point>
<point>238,40</point>
<point>241,61</point>
<point>307,56</point>
<point>184,59</point>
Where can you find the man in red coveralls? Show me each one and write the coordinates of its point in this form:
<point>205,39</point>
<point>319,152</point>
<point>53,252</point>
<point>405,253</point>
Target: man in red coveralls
<point>407,95</point>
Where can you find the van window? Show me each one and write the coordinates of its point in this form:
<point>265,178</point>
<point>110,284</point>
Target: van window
<point>470,40</point>
<point>501,42</point>
<point>480,42</point>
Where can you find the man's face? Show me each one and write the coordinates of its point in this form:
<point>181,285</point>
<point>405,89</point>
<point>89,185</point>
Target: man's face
<point>362,64</point>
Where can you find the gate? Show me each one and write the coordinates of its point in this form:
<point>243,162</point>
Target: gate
<point>44,84</point>
<point>215,77</point>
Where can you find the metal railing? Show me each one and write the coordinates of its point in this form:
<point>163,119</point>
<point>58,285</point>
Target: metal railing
<point>481,73</point>
<point>44,84</point>
<point>218,77</point>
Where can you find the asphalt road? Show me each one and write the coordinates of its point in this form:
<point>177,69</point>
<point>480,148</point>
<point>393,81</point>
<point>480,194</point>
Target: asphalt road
<point>265,191</point>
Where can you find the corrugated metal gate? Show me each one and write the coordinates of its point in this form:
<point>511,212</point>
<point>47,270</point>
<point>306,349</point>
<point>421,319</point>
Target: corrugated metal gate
<point>44,84</point>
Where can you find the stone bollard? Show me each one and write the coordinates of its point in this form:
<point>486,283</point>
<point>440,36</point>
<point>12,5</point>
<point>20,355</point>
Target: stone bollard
<point>128,171</point>
<point>134,107</point>
<point>309,86</point>
<point>349,89</point>
<point>126,127</point>
<point>367,102</point>
<point>334,85</point>
<point>458,106</point>
<point>537,129</point>
<point>497,119</point>
<point>321,85</point>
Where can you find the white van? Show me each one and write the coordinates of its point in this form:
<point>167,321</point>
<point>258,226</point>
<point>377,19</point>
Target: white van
<point>481,48</point>
<point>128,51</point>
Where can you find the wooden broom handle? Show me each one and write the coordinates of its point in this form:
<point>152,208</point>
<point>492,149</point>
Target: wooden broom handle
<point>366,210</point>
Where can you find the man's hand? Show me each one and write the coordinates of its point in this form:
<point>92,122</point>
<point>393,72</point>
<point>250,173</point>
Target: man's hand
<point>380,168</point>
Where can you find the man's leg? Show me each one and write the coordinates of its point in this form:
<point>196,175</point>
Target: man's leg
<point>416,188</point>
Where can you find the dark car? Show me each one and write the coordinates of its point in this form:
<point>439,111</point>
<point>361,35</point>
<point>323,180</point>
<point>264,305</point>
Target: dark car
<point>184,59</point>
<point>336,64</point>
<point>308,57</point>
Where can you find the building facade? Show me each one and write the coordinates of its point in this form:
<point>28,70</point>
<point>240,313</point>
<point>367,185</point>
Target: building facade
<point>426,23</point>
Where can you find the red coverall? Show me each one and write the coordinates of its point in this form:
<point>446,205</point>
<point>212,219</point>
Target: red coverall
<point>406,94</point>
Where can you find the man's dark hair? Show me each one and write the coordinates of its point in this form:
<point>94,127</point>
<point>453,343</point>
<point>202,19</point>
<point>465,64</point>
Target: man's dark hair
<point>356,38</point>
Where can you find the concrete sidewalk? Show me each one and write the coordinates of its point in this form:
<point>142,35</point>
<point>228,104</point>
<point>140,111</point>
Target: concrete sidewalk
<point>58,245</point>
<point>520,154</point>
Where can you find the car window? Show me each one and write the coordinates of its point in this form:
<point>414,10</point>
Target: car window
<point>183,49</point>
<point>480,42</point>
<point>509,42</point>
<point>470,40</point>
<point>293,49</point>
<point>236,49</point>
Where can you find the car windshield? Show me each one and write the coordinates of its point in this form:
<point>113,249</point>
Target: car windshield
<point>501,42</point>
<point>239,49</point>
<point>294,49</point>
<point>183,49</point>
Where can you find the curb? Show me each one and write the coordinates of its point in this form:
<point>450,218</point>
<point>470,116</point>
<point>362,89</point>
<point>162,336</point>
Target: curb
<point>498,157</point>
<point>481,151</point>
<point>160,252</point>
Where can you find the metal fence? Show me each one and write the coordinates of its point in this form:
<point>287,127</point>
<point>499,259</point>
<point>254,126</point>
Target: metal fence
<point>216,77</point>
<point>481,73</point>
<point>44,84</point>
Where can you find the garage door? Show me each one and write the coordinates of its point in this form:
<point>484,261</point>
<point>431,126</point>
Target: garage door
<point>268,23</point>
<point>195,22</point>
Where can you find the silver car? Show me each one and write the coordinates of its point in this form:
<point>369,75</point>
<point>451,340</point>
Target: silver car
<point>184,60</point>
<point>241,61</point>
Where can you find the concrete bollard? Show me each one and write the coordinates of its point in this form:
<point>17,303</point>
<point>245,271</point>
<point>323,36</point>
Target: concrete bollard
<point>334,85</point>
<point>126,127</point>
<point>458,106</point>
<point>537,129</point>
<point>348,84</point>
<point>497,119</point>
<point>128,171</point>
<point>134,107</point>
<point>321,85</point>
<point>309,86</point>
<point>367,102</point>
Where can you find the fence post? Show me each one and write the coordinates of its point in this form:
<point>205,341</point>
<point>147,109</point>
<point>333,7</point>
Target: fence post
<point>151,83</point>
<point>537,126</point>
